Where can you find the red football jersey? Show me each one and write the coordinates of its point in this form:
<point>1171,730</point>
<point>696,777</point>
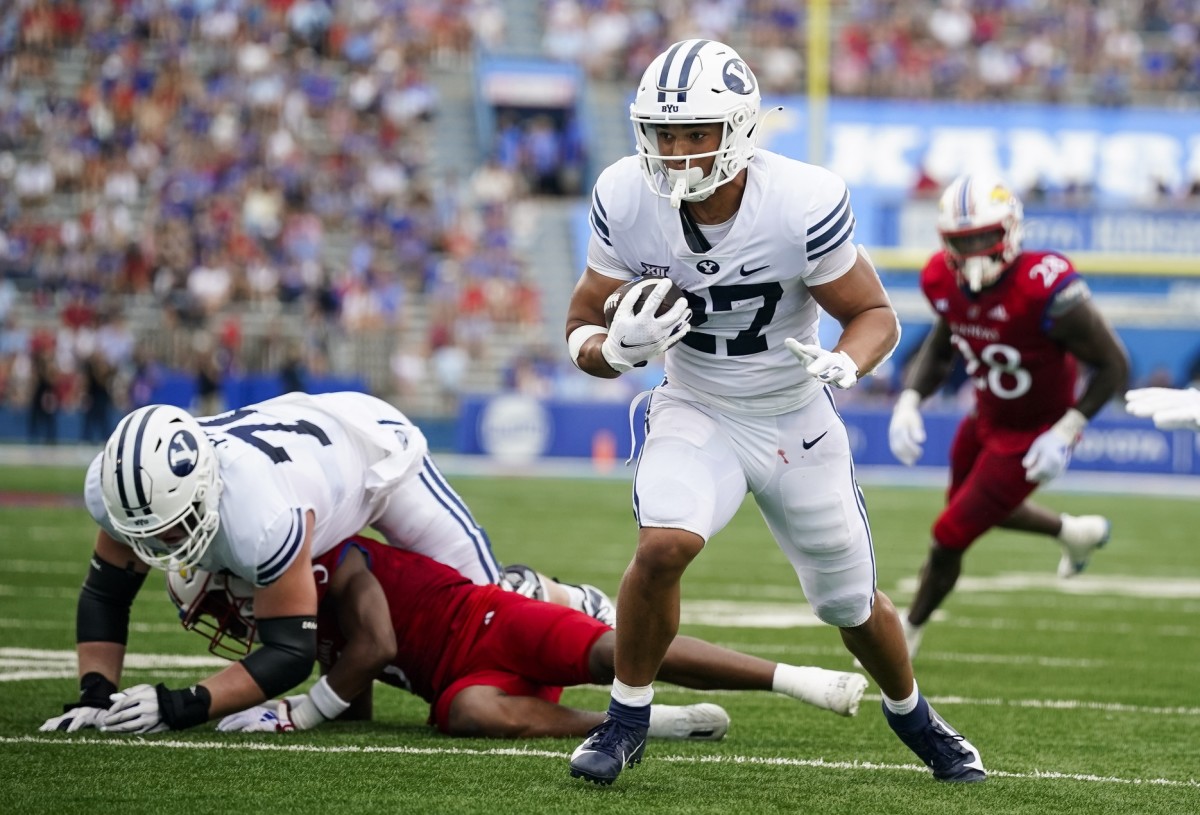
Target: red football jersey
<point>430,606</point>
<point>1023,379</point>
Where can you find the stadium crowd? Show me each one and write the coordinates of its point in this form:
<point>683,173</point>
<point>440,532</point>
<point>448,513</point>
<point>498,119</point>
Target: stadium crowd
<point>254,153</point>
<point>1105,52</point>
<point>205,162</point>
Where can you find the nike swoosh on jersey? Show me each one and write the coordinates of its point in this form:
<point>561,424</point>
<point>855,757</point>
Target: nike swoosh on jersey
<point>808,444</point>
<point>744,271</point>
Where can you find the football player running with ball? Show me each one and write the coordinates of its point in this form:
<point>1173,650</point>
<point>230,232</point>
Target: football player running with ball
<point>757,242</point>
<point>1020,321</point>
<point>258,493</point>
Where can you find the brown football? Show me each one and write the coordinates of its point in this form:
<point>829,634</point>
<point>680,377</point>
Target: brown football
<point>614,299</point>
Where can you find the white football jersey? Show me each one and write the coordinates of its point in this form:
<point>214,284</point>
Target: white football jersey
<point>339,455</point>
<point>749,291</point>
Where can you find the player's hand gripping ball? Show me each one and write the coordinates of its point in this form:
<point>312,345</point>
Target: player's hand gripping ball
<point>645,317</point>
<point>639,284</point>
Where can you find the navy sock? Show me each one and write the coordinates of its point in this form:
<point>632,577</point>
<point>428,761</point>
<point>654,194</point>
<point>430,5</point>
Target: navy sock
<point>629,716</point>
<point>908,722</point>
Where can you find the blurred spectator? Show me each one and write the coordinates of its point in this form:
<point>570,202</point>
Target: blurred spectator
<point>97,400</point>
<point>209,376</point>
<point>46,395</point>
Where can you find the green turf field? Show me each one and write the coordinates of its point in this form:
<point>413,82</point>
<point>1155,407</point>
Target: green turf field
<point>1082,697</point>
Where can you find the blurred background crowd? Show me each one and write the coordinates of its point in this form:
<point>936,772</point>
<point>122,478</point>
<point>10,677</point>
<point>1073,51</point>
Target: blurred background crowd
<point>223,187</point>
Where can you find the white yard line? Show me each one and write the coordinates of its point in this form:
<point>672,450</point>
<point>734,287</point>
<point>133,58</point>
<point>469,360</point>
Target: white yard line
<point>508,752</point>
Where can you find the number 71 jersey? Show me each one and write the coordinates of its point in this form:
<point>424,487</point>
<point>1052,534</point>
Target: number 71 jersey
<point>1024,380</point>
<point>339,455</point>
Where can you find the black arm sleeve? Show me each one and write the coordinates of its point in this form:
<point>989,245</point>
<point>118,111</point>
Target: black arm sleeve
<point>102,614</point>
<point>289,649</point>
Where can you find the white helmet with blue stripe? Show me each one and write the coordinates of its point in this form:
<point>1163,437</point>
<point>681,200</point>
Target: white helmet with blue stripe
<point>701,82</point>
<point>979,219</point>
<point>160,486</point>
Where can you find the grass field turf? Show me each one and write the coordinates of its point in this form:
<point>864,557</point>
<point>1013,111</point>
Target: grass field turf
<point>1081,701</point>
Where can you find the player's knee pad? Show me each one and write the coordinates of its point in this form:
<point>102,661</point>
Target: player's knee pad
<point>846,610</point>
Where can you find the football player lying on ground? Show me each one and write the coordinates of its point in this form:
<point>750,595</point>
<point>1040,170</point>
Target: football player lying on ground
<point>491,663</point>
<point>258,492</point>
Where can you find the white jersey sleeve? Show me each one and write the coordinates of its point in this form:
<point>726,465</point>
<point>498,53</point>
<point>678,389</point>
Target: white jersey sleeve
<point>828,229</point>
<point>602,256</point>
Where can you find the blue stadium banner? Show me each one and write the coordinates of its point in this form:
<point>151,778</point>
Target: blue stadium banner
<point>1121,157</point>
<point>521,429</point>
<point>885,145</point>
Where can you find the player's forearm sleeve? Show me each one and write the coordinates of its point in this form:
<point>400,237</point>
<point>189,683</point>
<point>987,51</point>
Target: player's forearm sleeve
<point>102,614</point>
<point>289,649</point>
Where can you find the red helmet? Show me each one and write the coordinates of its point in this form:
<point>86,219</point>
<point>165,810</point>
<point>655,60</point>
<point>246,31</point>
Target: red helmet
<point>215,606</point>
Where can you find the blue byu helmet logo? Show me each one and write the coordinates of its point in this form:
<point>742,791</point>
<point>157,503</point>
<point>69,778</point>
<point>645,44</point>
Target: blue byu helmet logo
<point>738,77</point>
<point>183,453</point>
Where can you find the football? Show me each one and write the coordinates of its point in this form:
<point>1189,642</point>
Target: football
<point>614,299</point>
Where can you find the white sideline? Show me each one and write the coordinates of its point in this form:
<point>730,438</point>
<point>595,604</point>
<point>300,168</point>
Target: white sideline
<point>817,763</point>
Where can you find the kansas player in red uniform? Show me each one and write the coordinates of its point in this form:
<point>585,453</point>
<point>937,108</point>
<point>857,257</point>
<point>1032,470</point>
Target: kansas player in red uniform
<point>1020,321</point>
<point>491,663</point>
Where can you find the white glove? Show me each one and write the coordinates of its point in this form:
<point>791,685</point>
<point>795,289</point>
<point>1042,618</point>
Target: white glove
<point>831,367</point>
<point>1170,408</point>
<point>134,711</point>
<point>270,718</point>
<point>906,432</point>
<point>75,719</point>
<point>1050,452</point>
<point>634,339</point>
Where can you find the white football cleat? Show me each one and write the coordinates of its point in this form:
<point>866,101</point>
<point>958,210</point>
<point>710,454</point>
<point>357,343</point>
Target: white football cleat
<point>701,722</point>
<point>598,605</point>
<point>524,580</point>
<point>1087,533</point>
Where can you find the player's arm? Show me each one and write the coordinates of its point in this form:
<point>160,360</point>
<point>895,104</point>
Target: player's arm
<point>1084,332</point>
<point>930,367</point>
<point>1078,326</point>
<point>286,612</point>
<point>365,621</point>
<point>870,328</point>
<point>586,330</point>
<point>115,575</point>
<point>932,363</point>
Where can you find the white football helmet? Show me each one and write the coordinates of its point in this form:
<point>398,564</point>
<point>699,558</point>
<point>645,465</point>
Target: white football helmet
<point>160,486</point>
<point>219,607</point>
<point>700,81</point>
<point>979,220</point>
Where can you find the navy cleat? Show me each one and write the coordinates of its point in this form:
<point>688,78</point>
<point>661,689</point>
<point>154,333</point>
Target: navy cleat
<point>609,748</point>
<point>943,749</point>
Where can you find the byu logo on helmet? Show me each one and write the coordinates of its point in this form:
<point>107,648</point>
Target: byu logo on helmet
<point>183,454</point>
<point>738,77</point>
